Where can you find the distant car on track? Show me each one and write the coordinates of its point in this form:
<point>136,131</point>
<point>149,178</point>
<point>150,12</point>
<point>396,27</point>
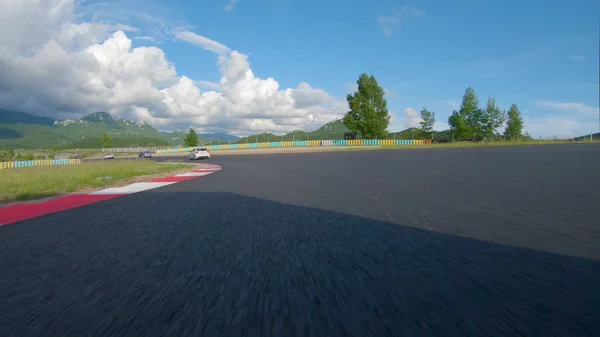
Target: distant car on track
<point>109,156</point>
<point>200,153</point>
<point>145,154</point>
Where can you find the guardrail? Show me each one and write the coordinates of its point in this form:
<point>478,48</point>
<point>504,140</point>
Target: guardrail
<point>305,143</point>
<point>33,163</point>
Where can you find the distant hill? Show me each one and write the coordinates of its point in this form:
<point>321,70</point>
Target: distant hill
<point>336,130</point>
<point>13,117</point>
<point>331,130</point>
<point>218,136</point>
<point>595,136</point>
<point>19,130</point>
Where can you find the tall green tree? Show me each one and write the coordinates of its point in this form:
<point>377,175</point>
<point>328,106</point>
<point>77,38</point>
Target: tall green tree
<point>514,124</point>
<point>427,120</point>
<point>492,119</point>
<point>106,141</point>
<point>191,139</point>
<point>466,122</point>
<point>368,113</point>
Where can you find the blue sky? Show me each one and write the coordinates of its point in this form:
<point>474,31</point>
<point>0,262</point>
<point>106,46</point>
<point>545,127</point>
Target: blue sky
<point>541,55</point>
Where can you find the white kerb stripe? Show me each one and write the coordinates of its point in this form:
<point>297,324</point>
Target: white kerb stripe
<point>193,174</point>
<point>133,188</point>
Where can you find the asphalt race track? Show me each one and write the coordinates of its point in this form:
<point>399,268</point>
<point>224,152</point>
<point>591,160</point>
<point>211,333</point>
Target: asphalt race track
<point>433,242</point>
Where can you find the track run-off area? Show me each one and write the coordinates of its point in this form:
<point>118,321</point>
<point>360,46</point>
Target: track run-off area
<point>490,241</point>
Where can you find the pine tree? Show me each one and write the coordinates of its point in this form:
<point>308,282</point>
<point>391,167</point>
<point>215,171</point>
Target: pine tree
<point>427,120</point>
<point>368,113</point>
<point>493,118</point>
<point>514,124</point>
<point>106,140</point>
<point>191,139</point>
<point>465,123</point>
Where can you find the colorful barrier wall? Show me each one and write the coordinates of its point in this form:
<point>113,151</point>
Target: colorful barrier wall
<point>306,143</point>
<point>32,163</point>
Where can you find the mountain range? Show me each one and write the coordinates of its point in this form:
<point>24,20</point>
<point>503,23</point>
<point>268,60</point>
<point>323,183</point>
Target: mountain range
<point>19,130</point>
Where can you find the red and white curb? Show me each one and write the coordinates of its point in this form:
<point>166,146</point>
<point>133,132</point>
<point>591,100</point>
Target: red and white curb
<point>20,212</point>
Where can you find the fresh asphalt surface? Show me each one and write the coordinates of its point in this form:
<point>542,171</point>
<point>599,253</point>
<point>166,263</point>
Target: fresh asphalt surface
<point>437,242</point>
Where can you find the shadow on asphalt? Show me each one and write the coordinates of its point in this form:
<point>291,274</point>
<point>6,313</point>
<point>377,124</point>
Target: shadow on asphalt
<point>221,264</point>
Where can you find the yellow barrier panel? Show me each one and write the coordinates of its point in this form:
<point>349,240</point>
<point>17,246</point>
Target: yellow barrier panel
<point>314,142</point>
<point>243,146</point>
<point>7,165</point>
<point>225,147</point>
<point>261,145</point>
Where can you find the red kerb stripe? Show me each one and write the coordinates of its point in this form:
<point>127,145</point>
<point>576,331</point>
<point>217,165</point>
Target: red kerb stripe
<point>22,212</point>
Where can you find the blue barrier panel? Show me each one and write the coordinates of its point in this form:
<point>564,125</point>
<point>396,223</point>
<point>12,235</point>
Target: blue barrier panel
<point>376,142</point>
<point>31,163</point>
<point>216,147</point>
<point>253,145</point>
<point>337,143</point>
<point>297,143</point>
<point>305,143</point>
<point>410,142</point>
<point>233,146</point>
<point>275,144</point>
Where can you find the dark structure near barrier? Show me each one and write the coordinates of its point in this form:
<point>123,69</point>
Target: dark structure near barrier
<point>349,135</point>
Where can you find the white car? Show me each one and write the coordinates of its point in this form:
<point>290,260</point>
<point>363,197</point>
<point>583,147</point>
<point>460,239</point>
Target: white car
<point>200,153</point>
<point>109,156</point>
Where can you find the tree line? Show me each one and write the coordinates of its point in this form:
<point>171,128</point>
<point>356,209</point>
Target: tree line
<point>369,116</point>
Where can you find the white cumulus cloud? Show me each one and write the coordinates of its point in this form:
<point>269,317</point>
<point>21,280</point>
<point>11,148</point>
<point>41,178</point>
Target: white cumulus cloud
<point>562,119</point>
<point>65,68</point>
<point>412,118</point>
